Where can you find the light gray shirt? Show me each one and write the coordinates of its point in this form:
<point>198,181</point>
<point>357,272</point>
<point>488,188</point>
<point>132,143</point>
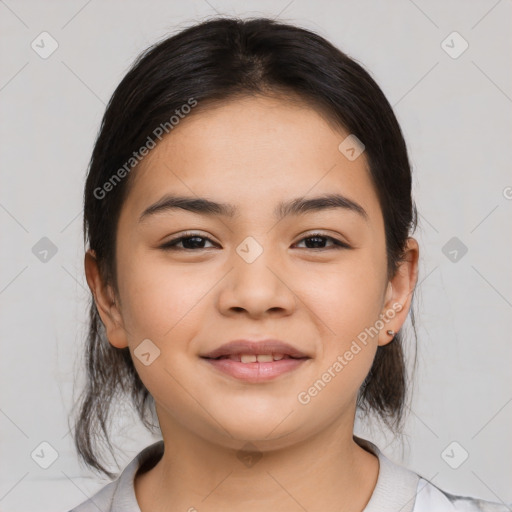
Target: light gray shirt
<point>397,490</point>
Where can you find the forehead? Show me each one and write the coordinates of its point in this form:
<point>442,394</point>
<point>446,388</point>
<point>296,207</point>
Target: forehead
<point>252,152</point>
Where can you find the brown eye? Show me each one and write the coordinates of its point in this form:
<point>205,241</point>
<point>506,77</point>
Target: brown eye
<point>190,242</point>
<point>318,239</point>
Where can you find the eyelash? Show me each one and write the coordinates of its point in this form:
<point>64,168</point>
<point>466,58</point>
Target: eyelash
<point>171,245</point>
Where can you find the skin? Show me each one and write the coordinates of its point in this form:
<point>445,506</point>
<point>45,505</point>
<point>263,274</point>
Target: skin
<point>253,153</point>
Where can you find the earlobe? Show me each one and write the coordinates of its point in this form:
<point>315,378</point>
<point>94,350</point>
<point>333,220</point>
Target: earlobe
<point>104,298</point>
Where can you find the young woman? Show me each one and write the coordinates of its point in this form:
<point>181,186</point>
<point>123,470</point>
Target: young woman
<point>248,211</point>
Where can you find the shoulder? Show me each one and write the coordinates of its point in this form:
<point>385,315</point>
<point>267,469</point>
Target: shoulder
<point>431,498</point>
<point>102,500</point>
<point>119,495</point>
<point>401,489</point>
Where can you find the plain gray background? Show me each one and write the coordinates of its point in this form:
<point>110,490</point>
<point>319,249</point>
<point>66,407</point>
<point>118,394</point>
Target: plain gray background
<point>455,111</point>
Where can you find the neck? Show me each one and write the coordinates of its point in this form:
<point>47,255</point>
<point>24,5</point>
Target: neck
<point>196,474</point>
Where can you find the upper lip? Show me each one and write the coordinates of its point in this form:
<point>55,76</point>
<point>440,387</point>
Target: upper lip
<point>268,346</point>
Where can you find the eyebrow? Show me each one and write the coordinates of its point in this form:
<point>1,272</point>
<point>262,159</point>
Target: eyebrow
<point>297,206</point>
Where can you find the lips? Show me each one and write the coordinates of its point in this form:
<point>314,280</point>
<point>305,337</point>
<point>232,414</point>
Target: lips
<point>236,349</point>
<point>256,362</point>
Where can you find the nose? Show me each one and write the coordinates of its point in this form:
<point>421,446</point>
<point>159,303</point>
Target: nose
<point>258,287</point>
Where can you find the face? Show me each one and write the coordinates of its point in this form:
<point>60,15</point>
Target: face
<point>315,279</point>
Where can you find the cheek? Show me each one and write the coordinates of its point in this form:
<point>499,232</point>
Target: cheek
<point>346,303</point>
<point>161,299</point>
<point>346,297</point>
<point>345,309</point>
<point>165,303</point>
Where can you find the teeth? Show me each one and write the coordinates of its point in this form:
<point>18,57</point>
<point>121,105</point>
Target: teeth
<point>267,358</point>
<point>260,358</point>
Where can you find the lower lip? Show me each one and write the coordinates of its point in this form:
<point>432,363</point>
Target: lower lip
<point>255,372</point>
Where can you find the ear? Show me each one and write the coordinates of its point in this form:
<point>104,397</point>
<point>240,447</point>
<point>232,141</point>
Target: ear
<point>399,293</point>
<point>104,297</point>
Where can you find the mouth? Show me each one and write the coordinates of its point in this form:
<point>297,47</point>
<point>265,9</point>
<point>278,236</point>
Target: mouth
<point>253,358</point>
<point>277,349</point>
<point>255,361</point>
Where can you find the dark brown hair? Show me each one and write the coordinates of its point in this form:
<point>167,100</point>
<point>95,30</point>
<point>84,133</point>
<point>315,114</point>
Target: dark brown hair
<point>214,61</point>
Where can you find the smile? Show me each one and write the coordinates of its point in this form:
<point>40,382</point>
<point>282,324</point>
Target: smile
<point>255,368</point>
